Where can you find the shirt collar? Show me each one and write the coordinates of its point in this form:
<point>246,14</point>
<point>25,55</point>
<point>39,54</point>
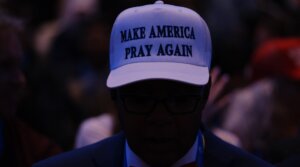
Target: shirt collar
<point>133,160</point>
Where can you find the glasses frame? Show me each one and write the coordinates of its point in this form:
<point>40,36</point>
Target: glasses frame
<point>162,100</point>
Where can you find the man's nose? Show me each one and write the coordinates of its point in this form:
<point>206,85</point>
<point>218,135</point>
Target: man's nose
<point>160,115</point>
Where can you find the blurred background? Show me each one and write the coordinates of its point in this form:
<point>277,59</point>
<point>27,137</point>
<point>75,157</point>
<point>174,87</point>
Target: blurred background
<point>255,99</point>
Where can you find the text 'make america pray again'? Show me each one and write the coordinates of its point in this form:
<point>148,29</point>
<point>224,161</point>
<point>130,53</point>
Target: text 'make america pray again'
<point>165,31</point>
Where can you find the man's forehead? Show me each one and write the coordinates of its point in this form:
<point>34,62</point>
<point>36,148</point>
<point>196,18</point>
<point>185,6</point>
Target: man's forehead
<point>149,86</point>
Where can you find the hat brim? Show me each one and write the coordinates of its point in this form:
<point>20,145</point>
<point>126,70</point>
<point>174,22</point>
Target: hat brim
<point>190,74</point>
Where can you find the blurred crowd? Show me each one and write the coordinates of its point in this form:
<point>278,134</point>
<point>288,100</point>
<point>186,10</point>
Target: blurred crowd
<point>255,97</point>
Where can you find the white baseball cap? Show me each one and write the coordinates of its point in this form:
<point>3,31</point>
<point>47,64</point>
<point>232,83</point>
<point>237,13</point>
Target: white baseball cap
<point>159,41</point>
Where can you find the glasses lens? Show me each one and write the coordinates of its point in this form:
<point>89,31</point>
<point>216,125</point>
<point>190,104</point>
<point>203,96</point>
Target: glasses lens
<point>182,104</point>
<point>138,104</point>
<point>175,104</point>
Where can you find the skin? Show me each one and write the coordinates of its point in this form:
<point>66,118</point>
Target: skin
<point>11,77</point>
<point>160,138</point>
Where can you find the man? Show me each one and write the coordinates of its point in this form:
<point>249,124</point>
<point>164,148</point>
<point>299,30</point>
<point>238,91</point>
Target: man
<point>159,57</point>
<point>20,146</point>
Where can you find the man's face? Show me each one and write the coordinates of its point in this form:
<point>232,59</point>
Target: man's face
<point>11,77</point>
<point>160,118</point>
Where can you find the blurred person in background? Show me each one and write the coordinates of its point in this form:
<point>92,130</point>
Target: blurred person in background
<point>265,115</point>
<point>20,146</point>
<point>65,62</point>
<point>255,23</point>
<point>70,86</point>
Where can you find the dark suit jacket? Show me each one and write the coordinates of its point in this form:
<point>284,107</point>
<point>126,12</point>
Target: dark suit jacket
<point>109,153</point>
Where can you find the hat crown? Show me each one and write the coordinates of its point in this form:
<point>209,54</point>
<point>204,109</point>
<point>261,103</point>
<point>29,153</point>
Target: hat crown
<point>159,33</point>
<point>159,41</point>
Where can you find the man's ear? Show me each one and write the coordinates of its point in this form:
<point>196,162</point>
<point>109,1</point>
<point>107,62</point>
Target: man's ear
<point>114,94</point>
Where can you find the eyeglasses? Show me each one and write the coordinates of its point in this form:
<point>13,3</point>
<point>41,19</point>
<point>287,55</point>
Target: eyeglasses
<point>139,104</point>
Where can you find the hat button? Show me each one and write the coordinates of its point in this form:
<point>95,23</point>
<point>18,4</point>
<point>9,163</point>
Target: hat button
<point>159,2</point>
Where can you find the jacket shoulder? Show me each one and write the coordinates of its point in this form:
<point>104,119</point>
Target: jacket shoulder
<point>220,153</point>
<point>103,153</point>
